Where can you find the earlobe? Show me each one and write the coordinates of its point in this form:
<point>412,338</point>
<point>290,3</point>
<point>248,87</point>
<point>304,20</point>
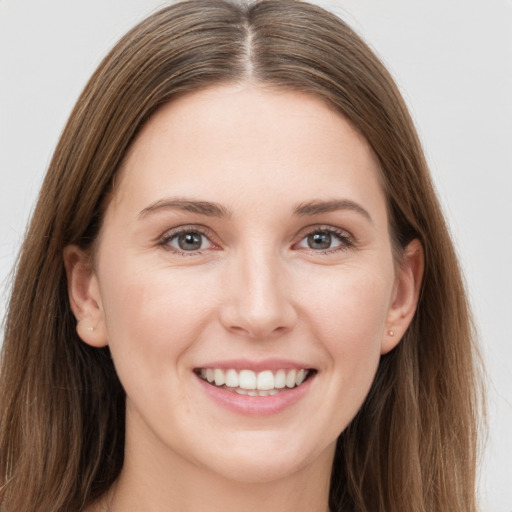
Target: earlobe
<point>405,295</point>
<point>84,296</point>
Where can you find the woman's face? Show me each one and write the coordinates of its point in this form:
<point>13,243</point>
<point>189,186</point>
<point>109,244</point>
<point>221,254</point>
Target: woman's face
<point>247,240</point>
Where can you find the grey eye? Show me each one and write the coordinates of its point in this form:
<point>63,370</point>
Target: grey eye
<point>319,241</point>
<point>324,240</point>
<point>189,241</point>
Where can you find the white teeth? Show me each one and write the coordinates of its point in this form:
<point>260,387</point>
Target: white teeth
<point>248,382</point>
<point>265,380</point>
<point>299,379</point>
<point>232,378</point>
<point>280,379</point>
<point>220,378</point>
<point>254,392</point>
<point>290,378</point>
<point>247,379</point>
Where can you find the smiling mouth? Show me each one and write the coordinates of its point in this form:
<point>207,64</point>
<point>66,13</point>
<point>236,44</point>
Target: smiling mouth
<point>248,382</point>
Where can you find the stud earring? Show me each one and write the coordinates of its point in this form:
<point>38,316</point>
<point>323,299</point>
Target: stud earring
<point>391,333</point>
<point>90,328</point>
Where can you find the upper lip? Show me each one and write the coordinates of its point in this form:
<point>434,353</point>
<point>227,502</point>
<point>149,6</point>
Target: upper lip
<point>256,366</point>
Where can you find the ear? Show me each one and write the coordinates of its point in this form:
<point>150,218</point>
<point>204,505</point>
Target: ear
<point>405,295</point>
<point>84,296</point>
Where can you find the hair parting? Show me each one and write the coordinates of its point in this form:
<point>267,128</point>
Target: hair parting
<point>412,446</point>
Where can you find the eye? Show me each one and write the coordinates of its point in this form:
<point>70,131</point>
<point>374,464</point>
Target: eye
<point>326,240</point>
<point>189,240</point>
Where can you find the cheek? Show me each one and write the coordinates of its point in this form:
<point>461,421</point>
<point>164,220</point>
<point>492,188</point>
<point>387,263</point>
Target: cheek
<point>152,317</point>
<point>350,304</point>
<point>348,317</point>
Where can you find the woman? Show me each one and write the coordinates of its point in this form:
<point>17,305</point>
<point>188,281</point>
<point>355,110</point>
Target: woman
<point>237,289</point>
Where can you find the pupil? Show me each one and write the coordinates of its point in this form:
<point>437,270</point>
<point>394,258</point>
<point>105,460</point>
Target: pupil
<point>319,241</point>
<point>189,241</point>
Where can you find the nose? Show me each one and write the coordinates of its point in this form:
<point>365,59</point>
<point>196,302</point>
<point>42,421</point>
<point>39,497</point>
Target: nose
<point>257,302</point>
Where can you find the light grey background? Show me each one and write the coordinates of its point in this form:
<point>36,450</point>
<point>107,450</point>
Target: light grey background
<point>451,58</point>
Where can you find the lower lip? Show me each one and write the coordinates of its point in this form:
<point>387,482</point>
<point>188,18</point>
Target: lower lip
<point>256,405</point>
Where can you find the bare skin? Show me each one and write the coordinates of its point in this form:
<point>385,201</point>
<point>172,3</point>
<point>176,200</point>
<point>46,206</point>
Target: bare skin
<point>247,225</point>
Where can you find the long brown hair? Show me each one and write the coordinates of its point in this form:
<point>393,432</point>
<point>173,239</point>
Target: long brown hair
<point>411,447</point>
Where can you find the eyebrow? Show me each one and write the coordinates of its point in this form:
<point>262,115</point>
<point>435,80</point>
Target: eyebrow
<point>318,207</point>
<point>212,209</point>
<point>206,208</point>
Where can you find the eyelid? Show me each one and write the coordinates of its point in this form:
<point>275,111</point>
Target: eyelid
<point>164,239</point>
<point>346,238</point>
<point>343,235</point>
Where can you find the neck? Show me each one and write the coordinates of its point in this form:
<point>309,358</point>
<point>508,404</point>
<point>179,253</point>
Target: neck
<point>204,492</point>
<point>160,480</point>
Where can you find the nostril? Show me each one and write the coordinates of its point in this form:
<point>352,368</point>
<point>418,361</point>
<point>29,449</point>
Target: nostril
<point>238,330</point>
<point>258,332</point>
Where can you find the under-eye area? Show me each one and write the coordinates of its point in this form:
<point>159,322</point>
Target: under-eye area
<point>248,382</point>
<point>242,169</point>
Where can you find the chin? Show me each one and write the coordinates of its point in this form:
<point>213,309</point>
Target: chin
<point>257,470</point>
<point>252,463</point>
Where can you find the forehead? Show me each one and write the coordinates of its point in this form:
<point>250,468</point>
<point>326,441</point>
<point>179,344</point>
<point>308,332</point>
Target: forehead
<point>276,144</point>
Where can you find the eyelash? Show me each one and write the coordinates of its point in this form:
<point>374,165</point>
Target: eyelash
<point>183,230</point>
<point>345,239</point>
